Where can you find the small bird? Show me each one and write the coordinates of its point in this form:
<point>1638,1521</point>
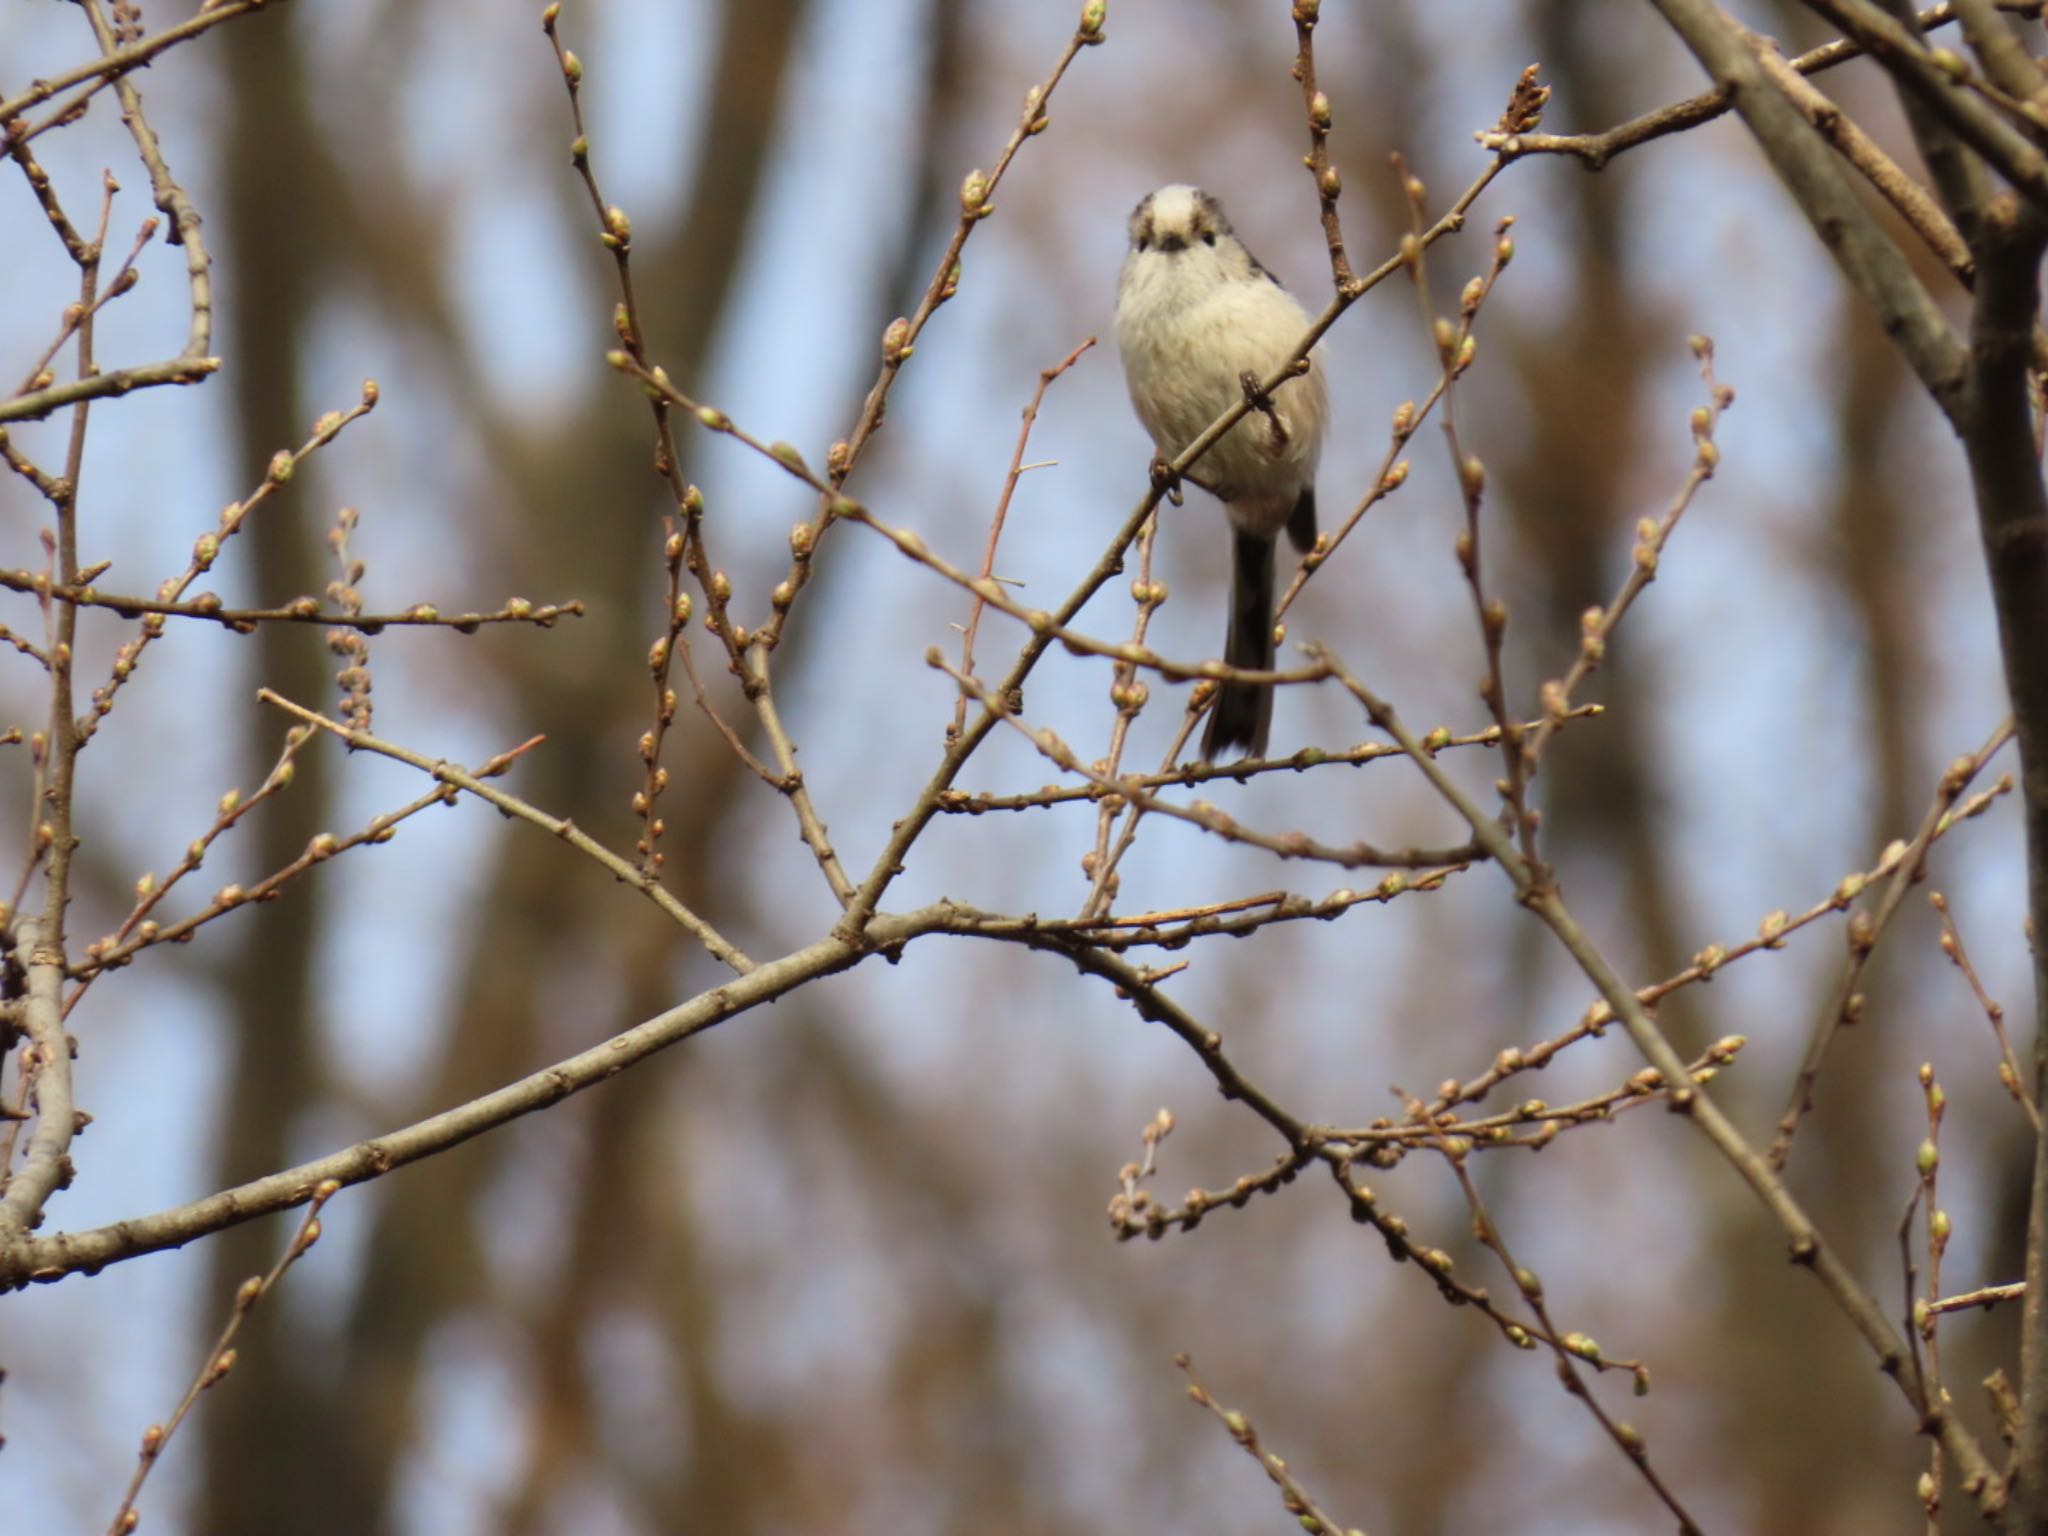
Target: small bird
<point>1201,325</point>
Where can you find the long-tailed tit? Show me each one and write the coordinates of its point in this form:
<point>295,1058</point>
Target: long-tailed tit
<point>1200,325</point>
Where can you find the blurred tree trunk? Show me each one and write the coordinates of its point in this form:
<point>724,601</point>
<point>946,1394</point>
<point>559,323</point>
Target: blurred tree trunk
<point>1821,1437</point>
<point>1874,555</point>
<point>274,1438</point>
<point>1803,1416</point>
<point>586,494</point>
<point>1416,1465</point>
<point>587,497</point>
<point>1583,378</point>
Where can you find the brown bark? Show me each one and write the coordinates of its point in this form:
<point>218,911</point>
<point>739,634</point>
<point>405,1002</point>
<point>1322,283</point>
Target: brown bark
<point>276,1435</point>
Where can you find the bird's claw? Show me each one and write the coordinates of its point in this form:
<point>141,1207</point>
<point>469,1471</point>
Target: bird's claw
<point>1166,480</point>
<point>1259,399</point>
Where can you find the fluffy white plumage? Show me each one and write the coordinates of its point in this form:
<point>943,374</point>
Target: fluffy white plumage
<point>1195,314</point>
<point>1194,311</point>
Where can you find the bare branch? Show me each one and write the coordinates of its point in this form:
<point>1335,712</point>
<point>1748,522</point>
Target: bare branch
<point>47,1167</point>
<point>1803,161</point>
<point>120,61</point>
<point>2008,1064</point>
<point>29,1259</point>
<point>1294,1498</point>
<point>447,773</point>
<point>1594,150</point>
<point>1329,185</point>
<point>1536,893</point>
<point>301,610</point>
<point>1864,930</point>
<point>221,1358</point>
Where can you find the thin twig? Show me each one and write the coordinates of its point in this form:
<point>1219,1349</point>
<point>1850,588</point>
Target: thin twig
<point>1844,1004</point>
<point>140,932</point>
<point>1129,695</point>
<point>1040,623</point>
<point>30,1258</point>
<point>221,1358</point>
<point>789,778</point>
<point>900,337</point>
<point>1046,377</point>
<point>1994,1012</point>
<point>1594,150</point>
<point>964,802</point>
<point>1569,1349</point>
<point>1597,625</point>
<point>1455,346</point>
<point>1987,1297</point>
<point>193,363</point>
<point>1329,185</point>
<point>123,281</point>
<point>1288,845</point>
<point>1921,1331</point>
<point>302,610</point>
<point>447,773</point>
<point>206,550</point>
<point>686,524</point>
<point>1294,1498</point>
<point>120,61</point>
<point>1539,895</point>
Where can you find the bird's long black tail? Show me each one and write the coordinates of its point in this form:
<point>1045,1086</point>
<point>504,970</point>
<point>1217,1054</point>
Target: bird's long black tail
<point>1243,711</point>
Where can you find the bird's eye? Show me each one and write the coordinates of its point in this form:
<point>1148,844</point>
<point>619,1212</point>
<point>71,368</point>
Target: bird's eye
<point>1144,242</point>
<point>1209,237</point>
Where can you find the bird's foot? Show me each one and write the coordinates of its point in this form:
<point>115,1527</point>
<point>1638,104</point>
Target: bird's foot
<point>1256,396</point>
<point>1166,480</point>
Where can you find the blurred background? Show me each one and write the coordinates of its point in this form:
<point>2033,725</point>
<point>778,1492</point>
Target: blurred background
<point>842,1265</point>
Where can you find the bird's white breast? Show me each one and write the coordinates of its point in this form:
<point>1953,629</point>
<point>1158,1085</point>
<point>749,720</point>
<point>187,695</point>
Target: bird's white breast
<point>1187,334</point>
